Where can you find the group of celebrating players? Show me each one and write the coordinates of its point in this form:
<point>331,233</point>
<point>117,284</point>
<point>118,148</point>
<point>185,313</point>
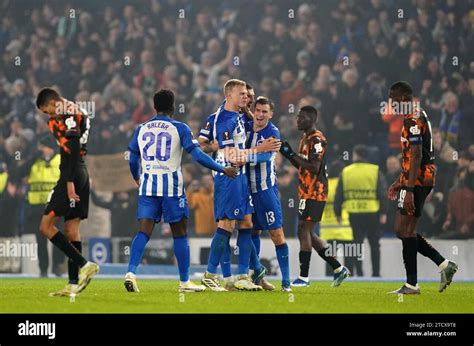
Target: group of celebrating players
<point>242,143</point>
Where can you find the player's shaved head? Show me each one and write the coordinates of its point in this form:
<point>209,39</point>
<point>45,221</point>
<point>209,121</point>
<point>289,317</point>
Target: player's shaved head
<point>231,84</point>
<point>313,112</point>
<point>401,89</point>
<point>163,101</point>
<point>45,96</point>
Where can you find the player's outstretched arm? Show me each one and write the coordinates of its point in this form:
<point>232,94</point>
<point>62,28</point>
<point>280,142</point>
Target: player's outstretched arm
<point>207,146</point>
<point>312,164</point>
<point>269,145</point>
<point>199,156</point>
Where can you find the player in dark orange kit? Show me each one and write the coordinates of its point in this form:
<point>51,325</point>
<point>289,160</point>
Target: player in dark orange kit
<point>313,191</point>
<point>413,186</point>
<point>70,197</point>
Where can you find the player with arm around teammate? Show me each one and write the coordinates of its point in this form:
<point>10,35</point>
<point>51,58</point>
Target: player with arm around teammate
<point>265,196</point>
<point>155,163</point>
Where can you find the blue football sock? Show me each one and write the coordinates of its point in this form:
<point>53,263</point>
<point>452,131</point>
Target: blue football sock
<point>225,261</point>
<point>283,260</point>
<point>136,253</point>
<point>244,243</point>
<point>218,245</point>
<point>181,251</point>
<point>256,243</point>
<point>254,264</point>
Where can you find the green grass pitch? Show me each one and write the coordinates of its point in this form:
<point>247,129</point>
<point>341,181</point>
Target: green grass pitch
<point>162,296</point>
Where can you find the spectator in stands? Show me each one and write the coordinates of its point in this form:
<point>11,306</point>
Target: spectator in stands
<point>122,208</point>
<point>460,219</point>
<point>101,51</point>
<point>201,199</point>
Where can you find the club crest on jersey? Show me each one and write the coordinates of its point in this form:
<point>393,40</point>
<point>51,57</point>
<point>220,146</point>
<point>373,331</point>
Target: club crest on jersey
<point>70,123</point>
<point>318,147</point>
<point>236,212</point>
<point>415,130</point>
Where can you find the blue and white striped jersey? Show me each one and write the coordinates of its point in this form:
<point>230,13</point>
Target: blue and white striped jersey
<point>261,175</point>
<point>160,142</point>
<point>207,131</point>
<point>229,131</point>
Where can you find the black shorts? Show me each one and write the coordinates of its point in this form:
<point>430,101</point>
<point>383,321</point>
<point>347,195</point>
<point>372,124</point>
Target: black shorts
<point>59,203</point>
<point>311,210</point>
<point>419,196</point>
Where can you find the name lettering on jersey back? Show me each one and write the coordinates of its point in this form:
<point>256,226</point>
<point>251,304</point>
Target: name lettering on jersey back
<point>158,124</point>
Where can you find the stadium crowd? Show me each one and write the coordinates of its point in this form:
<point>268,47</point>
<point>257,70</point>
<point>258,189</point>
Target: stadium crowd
<point>339,56</point>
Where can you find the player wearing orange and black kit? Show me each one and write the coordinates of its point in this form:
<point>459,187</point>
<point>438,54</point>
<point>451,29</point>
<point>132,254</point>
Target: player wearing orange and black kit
<point>413,186</point>
<point>70,197</point>
<point>313,190</point>
<point>71,131</point>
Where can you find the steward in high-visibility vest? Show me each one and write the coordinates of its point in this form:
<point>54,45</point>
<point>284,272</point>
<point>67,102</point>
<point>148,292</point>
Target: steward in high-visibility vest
<point>331,229</point>
<point>362,191</point>
<point>359,186</point>
<point>3,181</point>
<point>42,179</point>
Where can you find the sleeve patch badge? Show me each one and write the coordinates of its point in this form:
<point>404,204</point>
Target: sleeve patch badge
<point>415,130</point>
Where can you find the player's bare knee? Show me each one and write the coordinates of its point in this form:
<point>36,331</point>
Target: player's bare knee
<point>179,229</point>
<point>46,227</point>
<point>278,237</point>
<point>226,224</point>
<point>244,224</point>
<point>301,232</point>
<point>72,234</point>
<point>71,230</point>
<point>146,226</point>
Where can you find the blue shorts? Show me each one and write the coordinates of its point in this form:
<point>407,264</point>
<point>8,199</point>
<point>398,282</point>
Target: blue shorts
<point>173,209</point>
<point>231,197</point>
<point>268,214</point>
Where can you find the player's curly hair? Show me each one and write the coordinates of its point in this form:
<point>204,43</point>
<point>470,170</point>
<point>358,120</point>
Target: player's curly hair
<point>163,101</point>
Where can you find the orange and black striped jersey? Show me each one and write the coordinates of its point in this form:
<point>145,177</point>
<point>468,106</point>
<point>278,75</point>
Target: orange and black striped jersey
<point>71,130</point>
<point>312,185</point>
<point>417,131</point>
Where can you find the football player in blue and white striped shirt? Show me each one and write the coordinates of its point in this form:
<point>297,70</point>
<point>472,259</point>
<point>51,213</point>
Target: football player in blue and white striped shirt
<point>265,196</point>
<point>155,163</point>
